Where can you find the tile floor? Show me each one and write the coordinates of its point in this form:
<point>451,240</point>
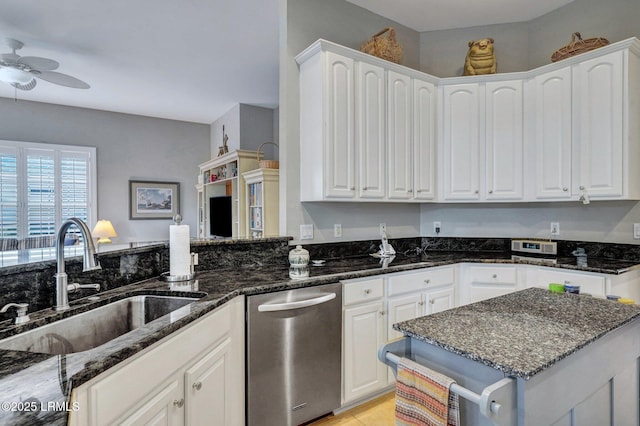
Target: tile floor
<point>377,412</point>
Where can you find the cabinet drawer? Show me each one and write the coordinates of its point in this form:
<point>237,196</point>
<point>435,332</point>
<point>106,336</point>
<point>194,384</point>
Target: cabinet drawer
<point>362,290</point>
<point>421,280</point>
<point>492,275</point>
<point>590,284</point>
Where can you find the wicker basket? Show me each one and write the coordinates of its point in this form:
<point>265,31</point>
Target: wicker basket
<point>575,47</point>
<point>384,45</point>
<point>267,164</point>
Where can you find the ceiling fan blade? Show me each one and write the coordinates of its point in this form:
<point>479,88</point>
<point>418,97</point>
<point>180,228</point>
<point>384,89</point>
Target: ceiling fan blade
<point>27,86</point>
<point>37,63</point>
<point>61,79</point>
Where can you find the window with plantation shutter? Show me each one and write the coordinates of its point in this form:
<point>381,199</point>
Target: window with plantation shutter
<point>41,185</point>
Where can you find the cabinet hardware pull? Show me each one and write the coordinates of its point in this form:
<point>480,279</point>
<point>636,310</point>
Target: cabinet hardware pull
<point>367,291</point>
<point>197,386</point>
<point>567,282</point>
<point>491,191</point>
<point>565,189</point>
<point>476,191</point>
<point>381,313</point>
<point>581,188</point>
<point>495,275</point>
<point>420,303</point>
<point>365,188</point>
<point>178,402</point>
<point>427,281</point>
<point>432,301</point>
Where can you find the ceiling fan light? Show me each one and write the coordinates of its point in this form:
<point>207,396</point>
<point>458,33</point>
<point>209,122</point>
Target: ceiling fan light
<point>13,75</point>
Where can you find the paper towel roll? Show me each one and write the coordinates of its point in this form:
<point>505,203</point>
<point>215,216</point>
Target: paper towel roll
<point>179,250</point>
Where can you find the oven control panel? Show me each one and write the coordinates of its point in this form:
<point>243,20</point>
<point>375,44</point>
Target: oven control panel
<point>534,246</point>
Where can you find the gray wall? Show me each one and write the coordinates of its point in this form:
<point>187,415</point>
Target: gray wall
<point>349,25</point>
<point>128,146</point>
<point>599,221</point>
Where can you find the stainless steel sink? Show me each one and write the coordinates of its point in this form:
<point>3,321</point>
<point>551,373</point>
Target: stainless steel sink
<point>93,328</point>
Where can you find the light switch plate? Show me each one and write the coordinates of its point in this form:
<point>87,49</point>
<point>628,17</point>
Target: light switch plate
<point>306,231</point>
<point>554,229</point>
<point>337,230</point>
<point>636,231</point>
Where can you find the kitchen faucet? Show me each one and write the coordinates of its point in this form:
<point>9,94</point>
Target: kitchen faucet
<point>89,262</point>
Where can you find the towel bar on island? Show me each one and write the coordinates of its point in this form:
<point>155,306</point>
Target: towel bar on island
<point>494,401</point>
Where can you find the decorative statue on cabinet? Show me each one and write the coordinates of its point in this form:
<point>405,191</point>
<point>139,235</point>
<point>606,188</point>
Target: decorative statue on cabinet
<point>480,58</point>
<point>224,148</point>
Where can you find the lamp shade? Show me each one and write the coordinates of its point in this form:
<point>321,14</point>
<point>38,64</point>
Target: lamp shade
<point>104,230</point>
<point>14,75</point>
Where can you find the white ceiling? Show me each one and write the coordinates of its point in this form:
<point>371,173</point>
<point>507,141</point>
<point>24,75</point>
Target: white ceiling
<point>433,15</point>
<point>192,60</point>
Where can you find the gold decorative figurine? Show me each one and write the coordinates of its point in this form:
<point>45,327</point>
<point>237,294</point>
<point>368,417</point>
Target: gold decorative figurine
<point>480,58</point>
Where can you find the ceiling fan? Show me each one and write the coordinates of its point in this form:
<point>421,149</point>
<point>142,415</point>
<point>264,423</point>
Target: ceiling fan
<point>21,71</point>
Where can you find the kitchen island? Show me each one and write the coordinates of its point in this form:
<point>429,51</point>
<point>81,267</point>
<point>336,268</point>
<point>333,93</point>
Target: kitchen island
<point>572,359</point>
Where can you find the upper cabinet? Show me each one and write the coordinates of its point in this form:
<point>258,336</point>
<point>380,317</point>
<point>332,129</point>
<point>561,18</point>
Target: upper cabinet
<point>482,142</point>
<point>367,128</point>
<point>371,130</point>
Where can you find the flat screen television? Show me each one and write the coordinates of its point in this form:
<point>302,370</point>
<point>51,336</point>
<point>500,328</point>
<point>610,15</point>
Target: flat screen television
<point>220,220</point>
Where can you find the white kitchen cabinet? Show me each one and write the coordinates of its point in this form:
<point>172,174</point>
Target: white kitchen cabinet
<point>195,376</point>
<point>552,134</point>
<point>371,130</point>
<point>364,325</point>
<point>483,140</point>
<point>363,135</point>
<point>460,167</point>
<point>424,140</point>
<point>327,126</point>
<point>602,91</point>
<point>399,143</point>
<point>480,282</point>
<point>504,140</point>
<point>418,293</point>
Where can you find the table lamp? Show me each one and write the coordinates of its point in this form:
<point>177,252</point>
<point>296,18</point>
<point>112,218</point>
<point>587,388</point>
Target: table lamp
<point>104,231</point>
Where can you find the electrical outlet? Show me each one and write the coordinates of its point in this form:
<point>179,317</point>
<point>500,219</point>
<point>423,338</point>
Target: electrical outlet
<point>636,231</point>
<point>306,232</point>
<point>383,228</point>
<point>337,230</point>
<point>555,229</point>
<point>437,227</point>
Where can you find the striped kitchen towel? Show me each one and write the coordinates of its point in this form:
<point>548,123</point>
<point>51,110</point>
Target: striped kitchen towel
<point>423,397</point>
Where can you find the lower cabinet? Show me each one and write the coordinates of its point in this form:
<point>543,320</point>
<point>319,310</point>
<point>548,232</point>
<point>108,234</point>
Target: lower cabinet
<point>371,309</point>
<point>480,282</point>
<point>194,377</point>
<point>364,325</point>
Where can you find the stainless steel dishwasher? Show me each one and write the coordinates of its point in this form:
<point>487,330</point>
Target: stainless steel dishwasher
<point>294,345</point>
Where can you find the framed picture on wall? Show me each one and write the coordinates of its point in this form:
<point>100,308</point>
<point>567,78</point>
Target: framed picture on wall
<point>153,200</point>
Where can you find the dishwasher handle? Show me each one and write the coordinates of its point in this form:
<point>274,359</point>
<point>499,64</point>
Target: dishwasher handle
<point>274,307</point>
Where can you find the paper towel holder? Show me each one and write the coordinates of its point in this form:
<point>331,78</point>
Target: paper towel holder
<point>166,276</point>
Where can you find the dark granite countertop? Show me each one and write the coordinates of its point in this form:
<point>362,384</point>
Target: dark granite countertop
<point>521,333</point>
<point>49,378</point>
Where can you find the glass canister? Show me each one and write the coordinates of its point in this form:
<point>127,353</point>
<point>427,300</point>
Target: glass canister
<point>298,263</point>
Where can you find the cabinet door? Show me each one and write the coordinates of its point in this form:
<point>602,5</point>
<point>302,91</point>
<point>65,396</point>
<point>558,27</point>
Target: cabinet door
<point>164,408</point>
<point>403,308</point>
<point>552,115</point>
<point>440,300</point>
<point>424,140</point>
<point>461,142</point>
<point>504,138</point>
<point>339,127</point>
<point>211,388</point>
<point>399,141</point>
<point>598,107</point>
<point>370,130</point>
<point>364,333</point>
